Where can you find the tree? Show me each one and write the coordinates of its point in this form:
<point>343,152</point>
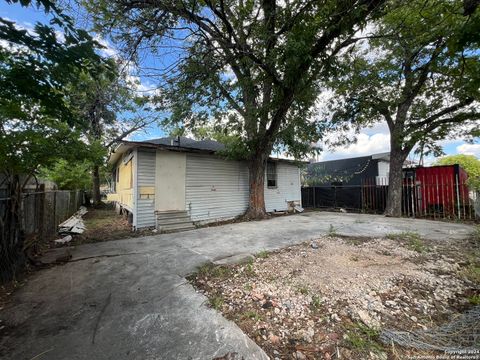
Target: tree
<point>109,109</point>
<point>469,163</point>
<point>37,125</point>
<point>69,175</point>
<point>413,75</point>
<point>252,68</point>
<point>36,119</point>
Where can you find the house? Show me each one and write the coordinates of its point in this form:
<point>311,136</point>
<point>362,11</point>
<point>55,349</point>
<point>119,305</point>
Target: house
<point>174,182</point>
<point>351,171</point>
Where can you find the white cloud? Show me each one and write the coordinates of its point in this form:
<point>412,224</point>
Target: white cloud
<point>108,49</point>
<point>365,145</point>
<point>469,149</point>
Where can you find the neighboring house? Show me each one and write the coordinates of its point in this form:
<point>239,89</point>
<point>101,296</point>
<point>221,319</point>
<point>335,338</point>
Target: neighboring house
<point>352,171</point>
<point>168,181</point>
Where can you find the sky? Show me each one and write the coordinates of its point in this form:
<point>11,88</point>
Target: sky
<point>369,141</point>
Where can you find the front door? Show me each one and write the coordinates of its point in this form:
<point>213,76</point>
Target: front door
<point>170,171</point>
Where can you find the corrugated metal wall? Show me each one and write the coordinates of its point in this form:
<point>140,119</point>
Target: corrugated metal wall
<point>145,177</point>
<point>288,188</point>
<point>217,188</point>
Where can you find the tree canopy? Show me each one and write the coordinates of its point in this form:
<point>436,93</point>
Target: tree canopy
<point>469,163</point>
<point>417,73</point>
<point>250,69</point>
<point>74,175</point>
<point>109,108</point>
<point>38,125</point>
<point>37,121</point>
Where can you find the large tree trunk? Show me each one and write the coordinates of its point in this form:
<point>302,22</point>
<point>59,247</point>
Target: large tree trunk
<point>256,202</point>
<point>395,182</point>
<point>97,199</point>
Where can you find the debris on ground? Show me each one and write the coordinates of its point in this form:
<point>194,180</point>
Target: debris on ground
<point>329,298</point>
<point>64,240</point>
<point>104,224</point>
<point>461,335</point>
<point>74,224</point>
<point>298,208</point>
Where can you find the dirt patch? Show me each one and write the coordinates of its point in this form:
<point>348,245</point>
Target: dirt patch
<point>104,225</point>
<point>329,298</point>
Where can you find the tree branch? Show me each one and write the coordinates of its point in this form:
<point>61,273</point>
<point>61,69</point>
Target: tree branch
<point>446,111</point>
<point>139,125</point>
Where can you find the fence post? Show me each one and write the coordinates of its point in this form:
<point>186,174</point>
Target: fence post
<point>458,196</point>
<point>41,212</point>
<point>362,205</point>
<point>55,223</point>
<point>412,197</point>
<point>334,197</point>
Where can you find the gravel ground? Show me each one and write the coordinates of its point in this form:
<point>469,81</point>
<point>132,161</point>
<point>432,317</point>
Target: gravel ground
<point>329,298</point>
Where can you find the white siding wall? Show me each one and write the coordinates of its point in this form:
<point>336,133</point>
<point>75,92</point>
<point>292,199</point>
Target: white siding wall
<point>288,188</point>
<point>215,188</point>
<point>145,177</point>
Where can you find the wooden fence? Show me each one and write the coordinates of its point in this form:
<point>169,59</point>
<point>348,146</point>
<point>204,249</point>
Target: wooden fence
<point>41,213</point>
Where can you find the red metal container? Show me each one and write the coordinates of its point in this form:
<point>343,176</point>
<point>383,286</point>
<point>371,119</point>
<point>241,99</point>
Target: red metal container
<point>438,189</point>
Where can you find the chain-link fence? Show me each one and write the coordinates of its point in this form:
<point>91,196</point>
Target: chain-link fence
<point>25,231</point>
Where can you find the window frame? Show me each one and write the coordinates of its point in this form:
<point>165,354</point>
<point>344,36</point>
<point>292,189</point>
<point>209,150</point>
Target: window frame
<point>271,164</point>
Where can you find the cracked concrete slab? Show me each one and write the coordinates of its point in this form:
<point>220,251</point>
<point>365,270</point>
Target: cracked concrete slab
<point>128,299</point>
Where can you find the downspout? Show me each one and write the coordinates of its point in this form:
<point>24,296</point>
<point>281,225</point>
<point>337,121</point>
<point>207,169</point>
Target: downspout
<point>135,188</point>
<point>300,184</point>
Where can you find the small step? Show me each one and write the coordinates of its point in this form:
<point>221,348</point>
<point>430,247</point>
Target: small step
<point>173,228</point>
<point>172,215</point>
<point>162,222</point>
<point>171,221</point>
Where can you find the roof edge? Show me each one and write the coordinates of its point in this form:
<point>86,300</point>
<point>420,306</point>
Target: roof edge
<point>145,144</point>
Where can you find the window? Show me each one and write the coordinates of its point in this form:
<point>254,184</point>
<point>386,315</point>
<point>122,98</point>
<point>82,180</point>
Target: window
<point>271,175</point>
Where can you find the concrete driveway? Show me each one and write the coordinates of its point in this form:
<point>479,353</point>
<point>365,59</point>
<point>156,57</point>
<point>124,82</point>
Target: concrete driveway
<point>129,299</point>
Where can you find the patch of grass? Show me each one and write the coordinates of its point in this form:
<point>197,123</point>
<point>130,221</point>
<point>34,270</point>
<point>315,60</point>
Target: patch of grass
<point>354,241</point>
<point>216,301</point>
<point>474,299</point>
<point>251,314</point>
<point>214,271</point>
<point>475,235</point>
<point>472,273</point>
<point>363,338</point>
<point>316,302</point>
<point>105,224</point>
<point>249,271</point>
<point>412,238</point>
<point>332,231</point>
<point>248,287</point>
<point>302,289</point>
<point>404,235</point>
<point>417,245</point>
<point>263,254</point>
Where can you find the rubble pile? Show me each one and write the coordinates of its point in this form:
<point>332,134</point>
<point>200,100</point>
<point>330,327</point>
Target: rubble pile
<point>305,300</point>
